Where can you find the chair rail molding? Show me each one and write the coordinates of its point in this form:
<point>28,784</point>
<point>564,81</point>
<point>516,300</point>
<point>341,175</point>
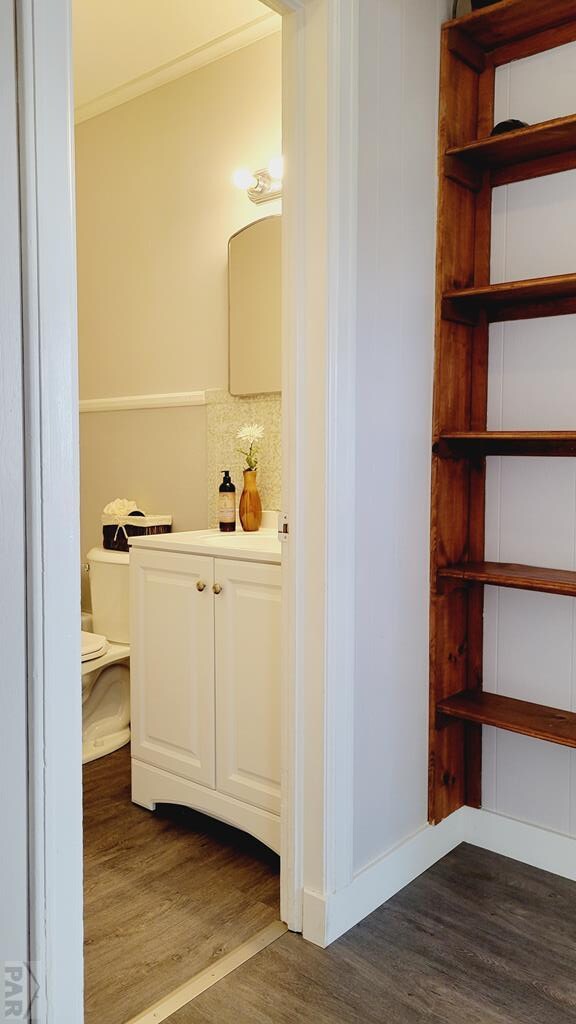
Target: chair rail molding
<point>117,403</point>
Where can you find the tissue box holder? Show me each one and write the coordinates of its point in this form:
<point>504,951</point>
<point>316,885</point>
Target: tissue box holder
<point>116,530</point>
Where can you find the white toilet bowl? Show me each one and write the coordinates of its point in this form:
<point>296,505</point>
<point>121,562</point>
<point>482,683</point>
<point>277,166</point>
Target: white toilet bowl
<point>106,657</point>
<point>105,696</point>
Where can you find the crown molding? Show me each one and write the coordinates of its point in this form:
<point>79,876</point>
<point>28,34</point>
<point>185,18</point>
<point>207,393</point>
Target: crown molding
<point>222,46</point>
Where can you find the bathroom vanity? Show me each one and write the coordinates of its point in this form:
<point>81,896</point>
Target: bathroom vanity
<point>205,675</point>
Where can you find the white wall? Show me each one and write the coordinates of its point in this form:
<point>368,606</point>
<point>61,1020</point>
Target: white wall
<point>398,141</point>
<point>530,639</point>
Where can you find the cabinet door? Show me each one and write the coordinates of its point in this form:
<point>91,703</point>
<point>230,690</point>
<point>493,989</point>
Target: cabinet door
<point>172,662</point>
<point>248,612</point>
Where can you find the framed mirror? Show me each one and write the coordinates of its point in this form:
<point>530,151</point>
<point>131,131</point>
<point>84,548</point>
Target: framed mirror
<point>255,307</point>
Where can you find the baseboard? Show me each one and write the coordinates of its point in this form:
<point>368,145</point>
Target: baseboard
<point>325,918</point>
<point>538,847</point>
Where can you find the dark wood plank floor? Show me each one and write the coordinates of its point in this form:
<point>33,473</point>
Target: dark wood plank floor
<point>478,939</point>
<point>166,894</point>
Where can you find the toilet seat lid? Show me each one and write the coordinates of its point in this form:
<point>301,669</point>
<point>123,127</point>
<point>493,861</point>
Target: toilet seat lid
<point>93,646</point>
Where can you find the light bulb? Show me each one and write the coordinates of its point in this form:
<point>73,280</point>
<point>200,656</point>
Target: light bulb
<point>244,179</point>
<point>276,168</point>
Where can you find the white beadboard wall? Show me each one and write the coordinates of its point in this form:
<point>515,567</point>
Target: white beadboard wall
<point>530,639</point>
<point>396,243</point>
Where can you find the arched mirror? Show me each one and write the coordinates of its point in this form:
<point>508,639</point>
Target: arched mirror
<point>255,307</point>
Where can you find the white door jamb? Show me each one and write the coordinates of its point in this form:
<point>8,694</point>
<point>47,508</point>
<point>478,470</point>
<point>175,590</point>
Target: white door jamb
<point>320,111</point>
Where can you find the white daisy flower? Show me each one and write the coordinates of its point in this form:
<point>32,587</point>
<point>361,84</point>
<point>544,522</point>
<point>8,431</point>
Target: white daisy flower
<point>251,432</point>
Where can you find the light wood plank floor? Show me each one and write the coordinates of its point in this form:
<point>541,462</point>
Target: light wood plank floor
<point>478,939</point>
<point>166,894</point>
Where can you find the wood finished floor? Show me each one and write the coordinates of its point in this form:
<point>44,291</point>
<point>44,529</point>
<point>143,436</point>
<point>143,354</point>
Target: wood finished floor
<point>478,939</point>
<point>166,894</point>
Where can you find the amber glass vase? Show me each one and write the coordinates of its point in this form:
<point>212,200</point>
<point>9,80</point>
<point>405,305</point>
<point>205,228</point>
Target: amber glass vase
<point>250,504</point>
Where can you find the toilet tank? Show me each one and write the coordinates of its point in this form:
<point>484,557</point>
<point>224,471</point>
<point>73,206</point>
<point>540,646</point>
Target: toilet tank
<point>109,593</point>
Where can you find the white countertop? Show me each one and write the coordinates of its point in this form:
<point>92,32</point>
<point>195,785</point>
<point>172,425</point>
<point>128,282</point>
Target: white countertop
<point>262,546</point>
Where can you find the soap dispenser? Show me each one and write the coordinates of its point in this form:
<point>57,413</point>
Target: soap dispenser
<point>227,504</point>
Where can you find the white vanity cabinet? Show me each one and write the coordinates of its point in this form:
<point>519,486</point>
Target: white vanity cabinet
<point>247,631</point>
<point>205,679</point>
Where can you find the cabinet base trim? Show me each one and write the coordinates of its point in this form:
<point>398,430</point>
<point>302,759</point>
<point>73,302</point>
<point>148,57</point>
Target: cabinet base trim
<point>151,786</point>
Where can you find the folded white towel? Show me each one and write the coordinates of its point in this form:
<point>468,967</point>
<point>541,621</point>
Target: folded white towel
<point>121,507</point>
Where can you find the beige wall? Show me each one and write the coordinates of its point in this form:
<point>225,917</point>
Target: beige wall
<point>155,210</point>
<point>156,456</point>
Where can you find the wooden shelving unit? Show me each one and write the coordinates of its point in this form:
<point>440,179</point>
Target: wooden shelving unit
<point>471,164</point>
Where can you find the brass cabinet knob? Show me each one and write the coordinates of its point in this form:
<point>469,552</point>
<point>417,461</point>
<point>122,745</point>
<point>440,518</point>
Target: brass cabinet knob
<point>200,585</point>
<point>217,588</point>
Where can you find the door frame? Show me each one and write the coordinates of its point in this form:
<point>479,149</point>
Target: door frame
<point>321,59</point>
<point>320,136</point>
<point>13,674</point>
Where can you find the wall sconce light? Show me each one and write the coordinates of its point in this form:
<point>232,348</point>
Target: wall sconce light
<point>263,185</point>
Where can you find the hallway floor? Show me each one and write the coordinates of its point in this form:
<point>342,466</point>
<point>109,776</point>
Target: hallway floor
<point>478,939</point>
<point>166,894</point>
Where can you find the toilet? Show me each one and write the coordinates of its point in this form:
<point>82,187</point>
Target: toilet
<point>106,656</point>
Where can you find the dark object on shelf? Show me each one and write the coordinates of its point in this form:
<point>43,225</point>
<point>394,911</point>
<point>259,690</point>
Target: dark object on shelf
<point>462,7</point>
<point>511,125</point>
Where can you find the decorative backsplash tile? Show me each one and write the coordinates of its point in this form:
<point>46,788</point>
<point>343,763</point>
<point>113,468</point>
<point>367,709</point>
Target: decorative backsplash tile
<point>225,415</point>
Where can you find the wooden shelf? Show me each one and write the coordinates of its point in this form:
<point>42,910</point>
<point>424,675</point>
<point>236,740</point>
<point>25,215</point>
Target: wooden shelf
<point>506,442</point>
<point>510,574</point>
<point>521,716</point>
<point>512,300</point>
<point>545,148</point>
<point>511,20</point>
